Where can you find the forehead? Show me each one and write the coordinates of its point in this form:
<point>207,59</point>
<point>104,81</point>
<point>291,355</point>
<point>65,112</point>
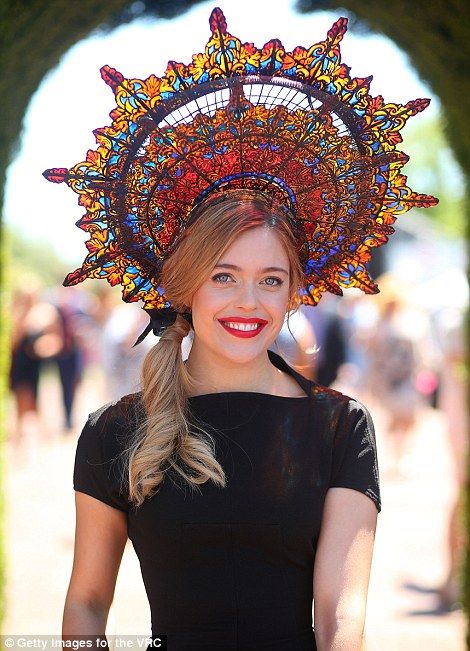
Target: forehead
<point>257,247</point>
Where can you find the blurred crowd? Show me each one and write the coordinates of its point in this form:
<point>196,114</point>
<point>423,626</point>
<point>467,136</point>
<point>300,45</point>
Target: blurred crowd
<point>389,352</point>
<point>70,331</point>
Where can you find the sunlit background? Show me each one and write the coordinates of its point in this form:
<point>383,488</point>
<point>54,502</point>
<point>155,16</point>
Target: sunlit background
<point>426,259</point>
<point>73,100</point>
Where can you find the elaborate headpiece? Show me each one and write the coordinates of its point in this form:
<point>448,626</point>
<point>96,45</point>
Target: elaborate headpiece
<point>292,124</point>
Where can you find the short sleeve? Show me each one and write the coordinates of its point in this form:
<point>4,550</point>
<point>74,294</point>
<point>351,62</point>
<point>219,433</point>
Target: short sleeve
<point>98,458</point>
<point>354,463</point>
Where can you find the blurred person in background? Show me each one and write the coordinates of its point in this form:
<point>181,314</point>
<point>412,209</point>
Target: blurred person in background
<point>297,344</point>
<point>116,327</point>
<point>69,359</point>
<point>121,361</point>
<point>36,337</point>
<point>393,351</point>
<point>314,341</point>
<point>452,400</point>
<point>329,333</point>
<point>356,312</point>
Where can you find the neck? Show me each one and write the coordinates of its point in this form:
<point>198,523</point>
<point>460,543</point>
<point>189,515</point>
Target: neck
<point>211,374</point>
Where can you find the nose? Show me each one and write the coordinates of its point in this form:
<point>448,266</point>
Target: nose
<point>246,297</point>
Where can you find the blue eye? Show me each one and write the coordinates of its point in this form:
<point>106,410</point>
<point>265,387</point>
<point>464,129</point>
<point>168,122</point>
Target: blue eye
<point>224,278</point>
<point>221,278</point>
<point>276,282</point>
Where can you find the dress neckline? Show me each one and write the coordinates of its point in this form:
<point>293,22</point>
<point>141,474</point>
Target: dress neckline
<point>282,365</point>
<point>246,394</point>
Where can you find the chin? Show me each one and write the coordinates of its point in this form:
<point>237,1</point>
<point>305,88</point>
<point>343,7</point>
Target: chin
<point>229,350</point>
<point>242,351</point>
<point>243,357</point>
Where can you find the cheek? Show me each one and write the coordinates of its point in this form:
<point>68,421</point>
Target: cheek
<point>205,303</point>
<point>280,300</point>
<point>277,310</point>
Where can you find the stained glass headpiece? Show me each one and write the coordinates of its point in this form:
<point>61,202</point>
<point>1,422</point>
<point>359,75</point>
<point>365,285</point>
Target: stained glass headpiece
<point>293,124</point>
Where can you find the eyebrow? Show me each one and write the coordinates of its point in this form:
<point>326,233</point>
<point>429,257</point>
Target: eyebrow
<point>226,265</point>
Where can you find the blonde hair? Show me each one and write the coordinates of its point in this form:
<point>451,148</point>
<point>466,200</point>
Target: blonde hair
<point>169,437</point>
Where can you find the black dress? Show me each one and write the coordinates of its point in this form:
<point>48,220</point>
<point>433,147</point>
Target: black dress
<point>232,568</point>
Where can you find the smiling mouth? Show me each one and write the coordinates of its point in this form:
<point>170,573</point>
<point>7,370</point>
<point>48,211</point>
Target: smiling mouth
<point>243,329</point>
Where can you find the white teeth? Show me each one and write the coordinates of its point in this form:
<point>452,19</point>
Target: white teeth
<point>243,326</point>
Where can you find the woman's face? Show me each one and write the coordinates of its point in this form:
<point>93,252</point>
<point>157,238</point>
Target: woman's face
<point>239,310</point>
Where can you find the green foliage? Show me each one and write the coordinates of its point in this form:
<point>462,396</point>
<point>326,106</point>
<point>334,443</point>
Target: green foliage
<point>31,259</point>
<point>4,366</point>
<point>432,169</point>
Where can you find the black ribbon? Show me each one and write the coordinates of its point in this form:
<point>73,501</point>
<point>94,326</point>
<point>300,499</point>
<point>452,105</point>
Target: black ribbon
<point>160,320</point>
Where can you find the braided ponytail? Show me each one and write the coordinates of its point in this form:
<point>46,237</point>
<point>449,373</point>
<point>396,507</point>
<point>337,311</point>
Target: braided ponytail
<point>164,438</point>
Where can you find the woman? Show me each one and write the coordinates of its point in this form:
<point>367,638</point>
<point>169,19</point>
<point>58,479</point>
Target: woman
<point>36,337</point>
<point>224,194</point>
<point>275,517</point>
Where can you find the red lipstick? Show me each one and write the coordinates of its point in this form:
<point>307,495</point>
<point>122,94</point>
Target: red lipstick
<point>246,327</point>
